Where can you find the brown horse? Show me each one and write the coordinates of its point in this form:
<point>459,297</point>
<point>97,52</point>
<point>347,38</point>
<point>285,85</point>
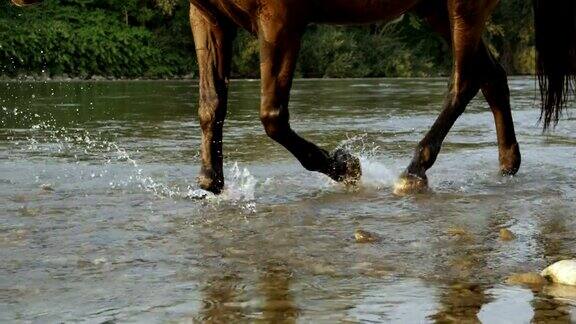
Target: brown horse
<point>280,24</point>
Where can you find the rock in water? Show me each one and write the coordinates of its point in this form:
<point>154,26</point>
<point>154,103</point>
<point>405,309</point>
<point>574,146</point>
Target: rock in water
<point>531,279</point>
<point>364,237</point>
<point>562,272</point>
<point>507,235</point>
<point>46,187</point>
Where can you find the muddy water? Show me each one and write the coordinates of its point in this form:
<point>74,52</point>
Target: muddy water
<point>101,219</point>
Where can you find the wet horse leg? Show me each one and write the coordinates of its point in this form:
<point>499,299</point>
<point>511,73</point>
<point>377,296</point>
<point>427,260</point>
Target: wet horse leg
<point>497,94</point>
<point>279,47</point>
<point>213,41</point>
<point>494,86</point>
<point>467,21</point>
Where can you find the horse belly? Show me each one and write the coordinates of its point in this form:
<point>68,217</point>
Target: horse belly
<point>359,11</point>
<point>238,11</point>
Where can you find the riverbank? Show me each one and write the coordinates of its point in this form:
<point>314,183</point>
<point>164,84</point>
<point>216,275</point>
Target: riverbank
<point>66,78</point>
<point>194,77</point>
<point>110,38</point>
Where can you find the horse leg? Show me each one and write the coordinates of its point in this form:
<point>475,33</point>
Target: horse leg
<point>467,20</point>
<point>214,49</point>
<point>497,94</point>
<point>279,47</point>
<point>494,86</point>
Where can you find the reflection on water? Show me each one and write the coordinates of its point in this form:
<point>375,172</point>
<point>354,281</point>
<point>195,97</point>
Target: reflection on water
<point>102,219</point>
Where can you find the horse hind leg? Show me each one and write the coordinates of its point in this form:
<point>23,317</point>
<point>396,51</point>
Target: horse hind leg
<point>467,21</point>
<point>494,86</point>
<point>497,94</point>
<point>279,47</point>
<point>213,42</point>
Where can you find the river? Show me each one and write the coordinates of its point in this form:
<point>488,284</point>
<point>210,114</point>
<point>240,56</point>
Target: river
<point>101,219</point>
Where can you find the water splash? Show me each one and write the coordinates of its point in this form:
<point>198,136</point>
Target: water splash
<point>240,190</point>
<point>376,171</point>
<point>78,144</point>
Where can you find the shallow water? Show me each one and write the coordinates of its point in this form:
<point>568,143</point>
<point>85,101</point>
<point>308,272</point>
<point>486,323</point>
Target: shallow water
<point>101,218</point>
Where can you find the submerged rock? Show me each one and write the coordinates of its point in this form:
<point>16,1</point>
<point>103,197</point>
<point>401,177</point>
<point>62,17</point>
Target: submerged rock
<point>460,234</point>
<point>46,187</point>
<point>506,235</point>
<point>562,272</point>
<point>457,231</point>
<point>561,291</point>
<point>362,236</point>
<point>531,278</point>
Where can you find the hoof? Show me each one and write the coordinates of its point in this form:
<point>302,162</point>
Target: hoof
<point>507,172</point>
<point>410,184</point>
<point>210,183</point>
<point>344,167</point>
<point>510,160</point>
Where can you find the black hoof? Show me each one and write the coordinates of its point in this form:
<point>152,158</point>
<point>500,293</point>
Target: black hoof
<point>508,172</point>
<point>344,167</point>
<point>209,181</point>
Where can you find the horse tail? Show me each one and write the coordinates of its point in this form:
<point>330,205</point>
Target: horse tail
<point>555,28</point>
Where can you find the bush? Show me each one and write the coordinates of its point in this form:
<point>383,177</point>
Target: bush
<point>58,39</point>
<point>151,38</point>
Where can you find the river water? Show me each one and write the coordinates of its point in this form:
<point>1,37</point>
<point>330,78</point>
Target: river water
<point>101,219</point>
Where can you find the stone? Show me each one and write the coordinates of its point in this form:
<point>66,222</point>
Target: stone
<point>46,187</point>
<point>460,234</point>
<point>561,291</point>
<point>530,278</point>
<point>457,231</point>
<point>562,272</point>
<point>506,235</point>
<point>362,236</point>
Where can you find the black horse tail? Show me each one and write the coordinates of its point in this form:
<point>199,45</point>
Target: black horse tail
<point>555,27</point>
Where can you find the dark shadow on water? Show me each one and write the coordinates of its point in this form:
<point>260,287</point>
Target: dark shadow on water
<point>220,295</point>
<point>464,272</point>
<point>227,300</point>
<point>274,286</point>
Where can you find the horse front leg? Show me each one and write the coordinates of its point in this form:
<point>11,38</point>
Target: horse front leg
<point>279,47</point>
<point>466,38</point>
<point>214,50</point>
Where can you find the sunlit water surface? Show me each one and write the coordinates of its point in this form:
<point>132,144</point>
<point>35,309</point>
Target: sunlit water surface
<point>101,218</point>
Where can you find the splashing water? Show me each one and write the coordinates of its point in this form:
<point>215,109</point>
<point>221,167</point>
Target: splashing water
<point>79,144</point>
<point>240,190</point>
<point>375,172</point>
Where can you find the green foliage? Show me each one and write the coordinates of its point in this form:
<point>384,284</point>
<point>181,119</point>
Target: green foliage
<point>80,39</point>
<point>511,35</point>
<point>151,38</point>
<point>400,49</point>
